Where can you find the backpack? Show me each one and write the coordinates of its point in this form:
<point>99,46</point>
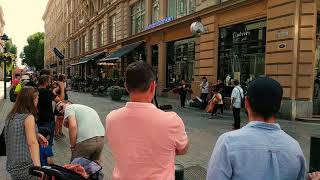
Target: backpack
<point>242,99</point>
<point>13,96</point>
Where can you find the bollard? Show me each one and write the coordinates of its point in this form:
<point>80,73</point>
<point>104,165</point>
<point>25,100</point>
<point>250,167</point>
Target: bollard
<point>179,172</point>
<point>314,154</point>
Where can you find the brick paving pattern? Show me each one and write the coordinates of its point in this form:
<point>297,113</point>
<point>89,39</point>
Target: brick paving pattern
<point>202,132</point>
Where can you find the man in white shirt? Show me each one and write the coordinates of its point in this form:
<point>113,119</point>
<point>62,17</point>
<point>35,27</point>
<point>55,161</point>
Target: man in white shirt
<point>204,86</point>
<point>236,97</point>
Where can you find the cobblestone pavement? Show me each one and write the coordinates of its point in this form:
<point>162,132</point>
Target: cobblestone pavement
<point>202,132</point>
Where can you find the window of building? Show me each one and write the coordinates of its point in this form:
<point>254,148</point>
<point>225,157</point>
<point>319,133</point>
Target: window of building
<point>69,50</point>
<point>100,35</point>
<point>155,10</point>
<point>180,61</point>
<point>100,4</point>
<point>138,12</point>
<point>83,43</point>
<point>180,8</point>
<point>241,53</point>
<point>112,29</point>
<point>90,39</point>
<point>68,29</point>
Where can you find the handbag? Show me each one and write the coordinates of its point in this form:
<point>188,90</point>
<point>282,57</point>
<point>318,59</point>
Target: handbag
<point>2,144</point>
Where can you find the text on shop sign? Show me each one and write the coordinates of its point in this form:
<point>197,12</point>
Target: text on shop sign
<point>159,23</point>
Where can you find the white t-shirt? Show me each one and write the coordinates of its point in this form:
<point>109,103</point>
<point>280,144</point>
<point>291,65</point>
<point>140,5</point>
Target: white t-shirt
<point>204,87</point>
<point>88,121</point>
<point>237,93</point>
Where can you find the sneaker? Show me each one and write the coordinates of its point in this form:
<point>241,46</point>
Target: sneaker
<point>210,117</point>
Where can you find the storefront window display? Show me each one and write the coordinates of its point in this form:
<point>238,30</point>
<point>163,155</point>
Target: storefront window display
<point>180,61</point>
<point>241,53</point>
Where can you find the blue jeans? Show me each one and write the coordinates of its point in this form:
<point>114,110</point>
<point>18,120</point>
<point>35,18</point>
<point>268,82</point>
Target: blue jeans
<point>49,126</point>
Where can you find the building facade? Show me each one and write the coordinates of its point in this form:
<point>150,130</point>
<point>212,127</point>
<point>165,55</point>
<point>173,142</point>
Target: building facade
<point>243,39</point>
<point>2,43</point>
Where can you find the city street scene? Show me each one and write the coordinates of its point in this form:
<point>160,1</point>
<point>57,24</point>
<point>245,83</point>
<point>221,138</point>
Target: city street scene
<point>160,89</point>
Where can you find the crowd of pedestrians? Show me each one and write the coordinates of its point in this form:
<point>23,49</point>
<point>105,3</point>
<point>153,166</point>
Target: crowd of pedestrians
<point>145,140</point>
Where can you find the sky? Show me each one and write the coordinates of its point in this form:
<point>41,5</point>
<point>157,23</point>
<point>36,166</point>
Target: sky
<point>23,18</point>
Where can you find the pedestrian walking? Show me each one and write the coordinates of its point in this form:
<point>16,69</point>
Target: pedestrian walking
<point>204,86</point>
<point>144,140</point>
<point>237,97</point>
<point>86,132</point>
<point>260,150</point>
<point>45,110</point>
<point>22,141</point>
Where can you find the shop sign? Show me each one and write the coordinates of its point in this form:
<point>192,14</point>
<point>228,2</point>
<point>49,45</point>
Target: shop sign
<point>282,34</point>
<point>159,23</point>
<point>241,36</point>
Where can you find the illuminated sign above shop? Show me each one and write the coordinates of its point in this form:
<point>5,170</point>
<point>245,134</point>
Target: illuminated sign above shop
<point>159,23</point>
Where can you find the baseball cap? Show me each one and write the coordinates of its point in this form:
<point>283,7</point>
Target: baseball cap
<point>265,96</point>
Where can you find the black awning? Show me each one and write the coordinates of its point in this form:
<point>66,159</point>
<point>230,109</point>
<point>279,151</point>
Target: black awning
<point>91,57</point>
<point>122,51</point>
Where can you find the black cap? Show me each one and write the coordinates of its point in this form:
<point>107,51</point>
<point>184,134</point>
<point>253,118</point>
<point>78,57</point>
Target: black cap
<point>265,95</point>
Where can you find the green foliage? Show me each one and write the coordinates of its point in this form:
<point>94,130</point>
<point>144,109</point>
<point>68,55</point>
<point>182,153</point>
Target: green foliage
<point>10,47</point>
<point>116,92</point>
<point>33,53</point>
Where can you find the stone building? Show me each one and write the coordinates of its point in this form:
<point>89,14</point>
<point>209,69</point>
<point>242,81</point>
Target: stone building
<point>243,39</point>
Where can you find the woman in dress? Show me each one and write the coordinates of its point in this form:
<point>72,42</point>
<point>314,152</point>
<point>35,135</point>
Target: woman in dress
<point>21,136</point>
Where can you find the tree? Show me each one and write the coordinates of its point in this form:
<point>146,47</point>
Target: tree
<point>10,55</point>
<point>33,53</point>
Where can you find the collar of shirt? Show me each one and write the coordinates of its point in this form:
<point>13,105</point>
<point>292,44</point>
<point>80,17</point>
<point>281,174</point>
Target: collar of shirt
<point>264,125</point>
<point>140,105</point>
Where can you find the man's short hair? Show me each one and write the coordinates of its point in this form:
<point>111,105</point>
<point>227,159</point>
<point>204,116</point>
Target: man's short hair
<point>17,75</point>
<point>265,95</point>
<point>45,72</point>
<point>139,76</point>
<point>44,79</point>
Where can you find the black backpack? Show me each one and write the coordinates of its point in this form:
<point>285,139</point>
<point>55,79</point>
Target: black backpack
<point>13,96</point>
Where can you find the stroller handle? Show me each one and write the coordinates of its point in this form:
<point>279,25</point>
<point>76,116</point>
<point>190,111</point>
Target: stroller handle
<point>35,171</point>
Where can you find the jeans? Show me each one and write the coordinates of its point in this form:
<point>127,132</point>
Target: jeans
<point>50,127</point>
<point>236,117</point>
<point>90,148</point>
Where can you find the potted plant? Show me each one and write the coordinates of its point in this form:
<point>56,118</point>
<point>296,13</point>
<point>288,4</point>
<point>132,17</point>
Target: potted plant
<point>116,92</point>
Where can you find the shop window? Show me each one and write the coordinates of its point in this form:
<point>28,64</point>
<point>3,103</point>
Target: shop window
<point>155,10</point>
<point>155,57</point>
<point>180,61</point>
<point>112,29</point>
<point>137,17</point>
<point>242,53</point>
<point>180,8</point>
<point>100,35</point>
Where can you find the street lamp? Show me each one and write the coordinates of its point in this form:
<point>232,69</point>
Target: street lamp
<point>5,38</point>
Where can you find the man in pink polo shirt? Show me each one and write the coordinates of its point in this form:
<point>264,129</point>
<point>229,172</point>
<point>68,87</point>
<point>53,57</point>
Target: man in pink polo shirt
<point>144,140</point>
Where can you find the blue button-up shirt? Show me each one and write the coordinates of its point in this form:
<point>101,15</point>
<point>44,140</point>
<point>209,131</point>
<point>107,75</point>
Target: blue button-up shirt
<point>258,151</point>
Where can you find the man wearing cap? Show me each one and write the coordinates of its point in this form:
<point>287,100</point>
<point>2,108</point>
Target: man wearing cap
<point>260,150</point>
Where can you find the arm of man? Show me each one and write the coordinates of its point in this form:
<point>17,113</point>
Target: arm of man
<point>72,125</point>
<point>30,130</point>
<point>220,164</point>
<point>62,90</point>
<point>181,138</point>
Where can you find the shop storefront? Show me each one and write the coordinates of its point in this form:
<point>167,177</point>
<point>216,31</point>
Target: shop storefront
<point>180,61</point>
<point>241,53</point>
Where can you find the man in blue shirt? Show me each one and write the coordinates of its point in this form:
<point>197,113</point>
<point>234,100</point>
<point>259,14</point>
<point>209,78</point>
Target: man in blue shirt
<point>260,150</point>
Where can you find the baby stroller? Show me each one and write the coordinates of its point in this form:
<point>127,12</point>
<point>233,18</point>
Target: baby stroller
<point>54,172</point>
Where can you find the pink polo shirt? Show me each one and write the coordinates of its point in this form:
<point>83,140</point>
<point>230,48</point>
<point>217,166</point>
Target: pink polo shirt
<point>143,141</point>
